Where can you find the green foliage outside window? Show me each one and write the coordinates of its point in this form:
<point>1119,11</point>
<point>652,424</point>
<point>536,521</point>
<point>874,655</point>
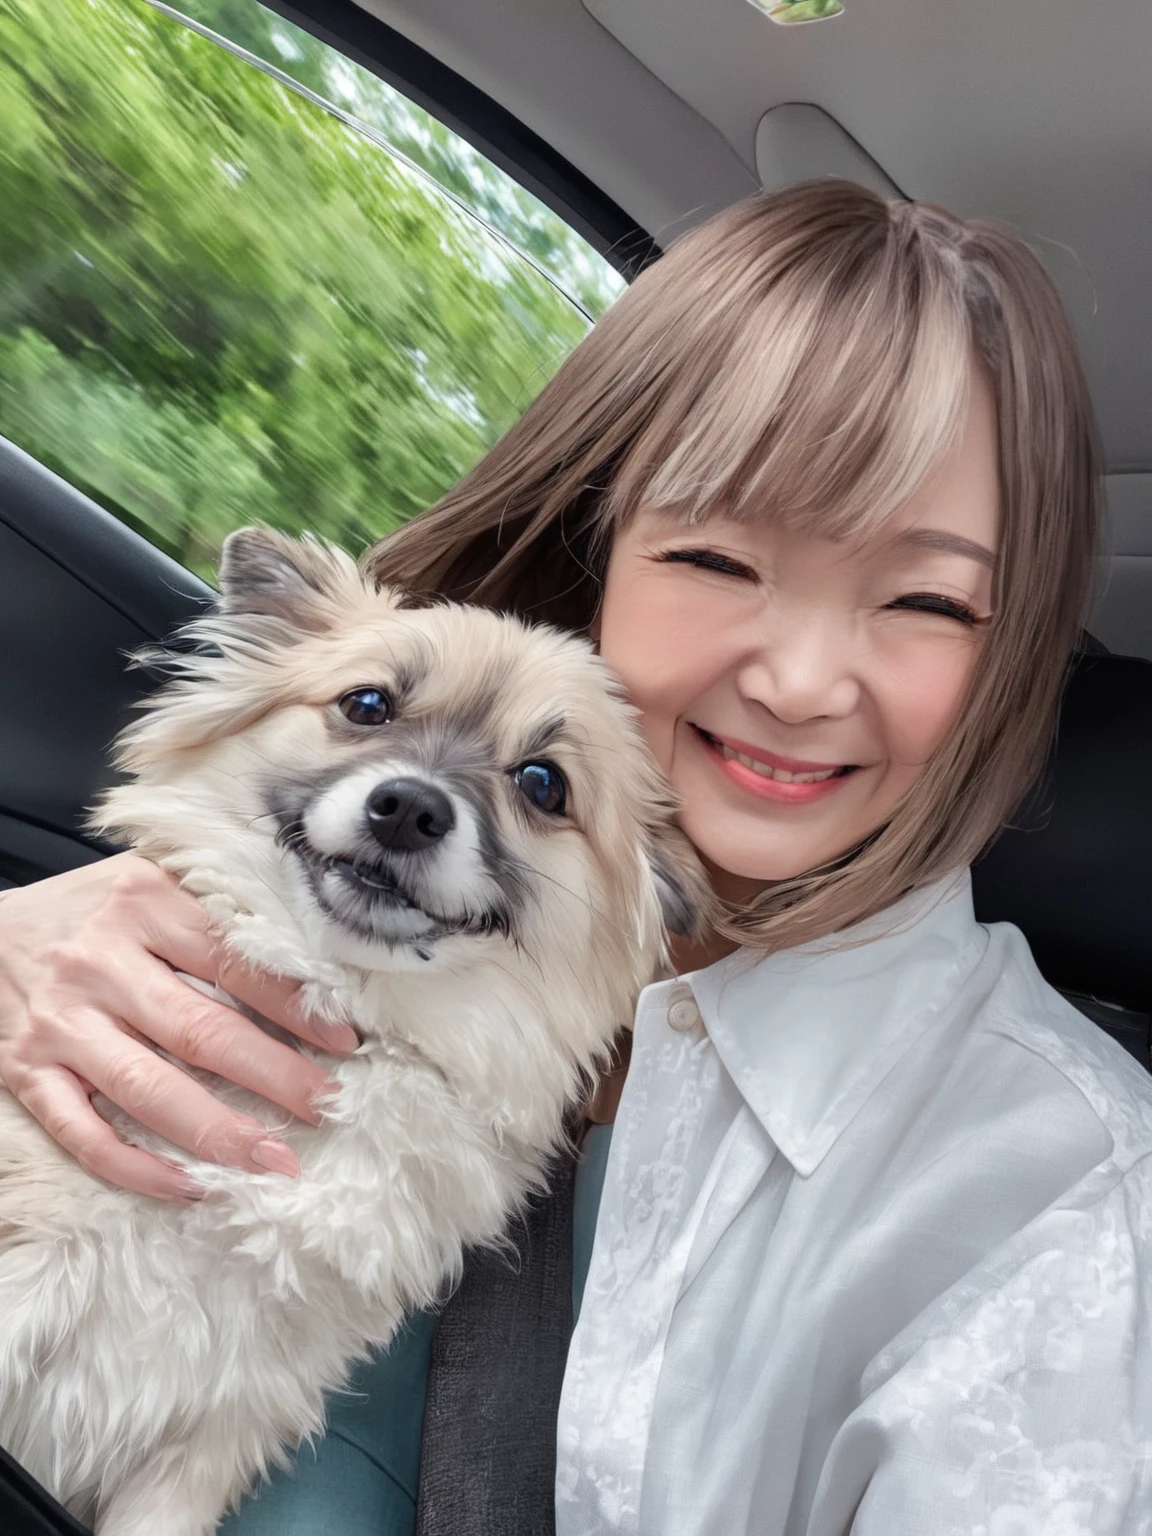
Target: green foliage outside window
<point>219,303</point>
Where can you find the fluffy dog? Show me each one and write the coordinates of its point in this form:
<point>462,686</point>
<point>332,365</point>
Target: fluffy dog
<point>444,824</point>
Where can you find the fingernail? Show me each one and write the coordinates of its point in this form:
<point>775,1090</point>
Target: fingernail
<point>277,1157</point>
<point>341,1037</point>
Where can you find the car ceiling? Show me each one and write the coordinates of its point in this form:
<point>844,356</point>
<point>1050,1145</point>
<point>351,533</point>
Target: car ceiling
<point>1036,112</point>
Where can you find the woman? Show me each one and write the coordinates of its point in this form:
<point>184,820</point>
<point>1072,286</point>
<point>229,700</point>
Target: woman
<point>869,1256</point>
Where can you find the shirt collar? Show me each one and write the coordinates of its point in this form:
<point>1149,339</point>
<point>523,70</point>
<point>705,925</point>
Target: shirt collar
<point>808,1034</point>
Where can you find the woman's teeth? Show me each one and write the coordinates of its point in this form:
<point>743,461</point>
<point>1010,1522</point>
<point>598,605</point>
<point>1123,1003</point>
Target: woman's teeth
<point>766,772</point>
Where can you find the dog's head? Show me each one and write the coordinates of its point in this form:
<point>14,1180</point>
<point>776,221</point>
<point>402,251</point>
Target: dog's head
<point>416,786</point>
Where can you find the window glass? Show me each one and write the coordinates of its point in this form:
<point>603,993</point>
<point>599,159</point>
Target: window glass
<point>223,300</point>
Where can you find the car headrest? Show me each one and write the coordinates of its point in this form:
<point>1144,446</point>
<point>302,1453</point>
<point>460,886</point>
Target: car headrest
<point>1074,869</point>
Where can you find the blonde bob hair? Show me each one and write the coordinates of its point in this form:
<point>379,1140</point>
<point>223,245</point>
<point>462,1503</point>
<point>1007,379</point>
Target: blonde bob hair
<point>806,356</point>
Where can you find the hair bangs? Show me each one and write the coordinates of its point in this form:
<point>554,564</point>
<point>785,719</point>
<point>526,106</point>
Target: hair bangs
<point>826,407</point>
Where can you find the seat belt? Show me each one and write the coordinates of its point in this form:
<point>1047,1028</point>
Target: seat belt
<point>488,1454</point>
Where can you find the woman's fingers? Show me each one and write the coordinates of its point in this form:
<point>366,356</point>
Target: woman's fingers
<point>168,1101</point>
<point>55,1097</point>
<point>216,1038</point>
<point>145,993</point>
<point>87,988</point>
<point>281,1001</point>
<point>179,933</point>
<point>80,1020</point>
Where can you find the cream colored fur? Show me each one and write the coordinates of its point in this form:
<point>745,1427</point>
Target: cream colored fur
<point>154,1359</point>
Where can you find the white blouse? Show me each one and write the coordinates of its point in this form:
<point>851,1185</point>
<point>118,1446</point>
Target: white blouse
<point>874,1254</point>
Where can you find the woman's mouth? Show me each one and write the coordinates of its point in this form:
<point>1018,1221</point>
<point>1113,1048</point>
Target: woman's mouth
<point>786,781</point>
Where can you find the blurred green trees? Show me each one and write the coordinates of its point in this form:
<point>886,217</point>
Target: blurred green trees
<point>219,303</point>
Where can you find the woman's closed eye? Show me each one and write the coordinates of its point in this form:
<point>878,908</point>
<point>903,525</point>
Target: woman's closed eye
<point>936,602</point>
<point>708,560</point>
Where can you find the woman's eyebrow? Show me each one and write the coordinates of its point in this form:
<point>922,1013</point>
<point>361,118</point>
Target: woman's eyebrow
<point>949,543</point>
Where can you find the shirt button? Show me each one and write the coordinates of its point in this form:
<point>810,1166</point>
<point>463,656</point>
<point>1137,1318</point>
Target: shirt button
<point>683,1014</point>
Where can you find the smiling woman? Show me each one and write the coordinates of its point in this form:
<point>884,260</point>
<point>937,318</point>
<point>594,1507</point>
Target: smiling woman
<point>814,675</point>
<point>857,436</point>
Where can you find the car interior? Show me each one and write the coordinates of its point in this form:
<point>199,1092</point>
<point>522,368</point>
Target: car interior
<point>632,120</point>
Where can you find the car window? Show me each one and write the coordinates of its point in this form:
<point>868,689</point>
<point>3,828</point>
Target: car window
<point>242,279</point>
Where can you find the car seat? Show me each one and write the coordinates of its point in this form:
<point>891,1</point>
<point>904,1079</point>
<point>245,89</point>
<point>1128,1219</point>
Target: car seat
<point>1073,869</point>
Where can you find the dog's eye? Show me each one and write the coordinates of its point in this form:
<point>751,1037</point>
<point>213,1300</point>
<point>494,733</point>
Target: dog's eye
<point>542,785</point>
<point>366,706</point>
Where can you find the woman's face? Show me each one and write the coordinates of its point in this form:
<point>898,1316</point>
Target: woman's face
<point>792,688</point>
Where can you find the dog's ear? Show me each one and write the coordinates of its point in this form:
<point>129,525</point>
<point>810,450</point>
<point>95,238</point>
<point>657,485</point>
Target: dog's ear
<point>298,580</point>
<point>685,895</point>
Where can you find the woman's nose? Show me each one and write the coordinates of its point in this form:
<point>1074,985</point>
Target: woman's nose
<point>803,672</point>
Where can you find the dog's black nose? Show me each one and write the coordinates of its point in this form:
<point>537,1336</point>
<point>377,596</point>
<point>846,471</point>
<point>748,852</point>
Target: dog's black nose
<point>408,815</point>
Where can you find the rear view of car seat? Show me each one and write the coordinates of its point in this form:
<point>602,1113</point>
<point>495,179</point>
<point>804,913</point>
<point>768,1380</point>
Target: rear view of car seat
<point>1123,616</point>
<point>1074,871</point>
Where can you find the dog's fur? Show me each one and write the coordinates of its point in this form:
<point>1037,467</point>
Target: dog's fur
<point>155,1358</point>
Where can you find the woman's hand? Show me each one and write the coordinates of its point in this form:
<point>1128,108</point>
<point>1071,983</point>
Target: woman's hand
<point>87,985</point>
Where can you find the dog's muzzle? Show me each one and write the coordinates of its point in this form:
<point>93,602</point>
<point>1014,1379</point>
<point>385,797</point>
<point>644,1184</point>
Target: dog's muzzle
<point>396,861</point>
